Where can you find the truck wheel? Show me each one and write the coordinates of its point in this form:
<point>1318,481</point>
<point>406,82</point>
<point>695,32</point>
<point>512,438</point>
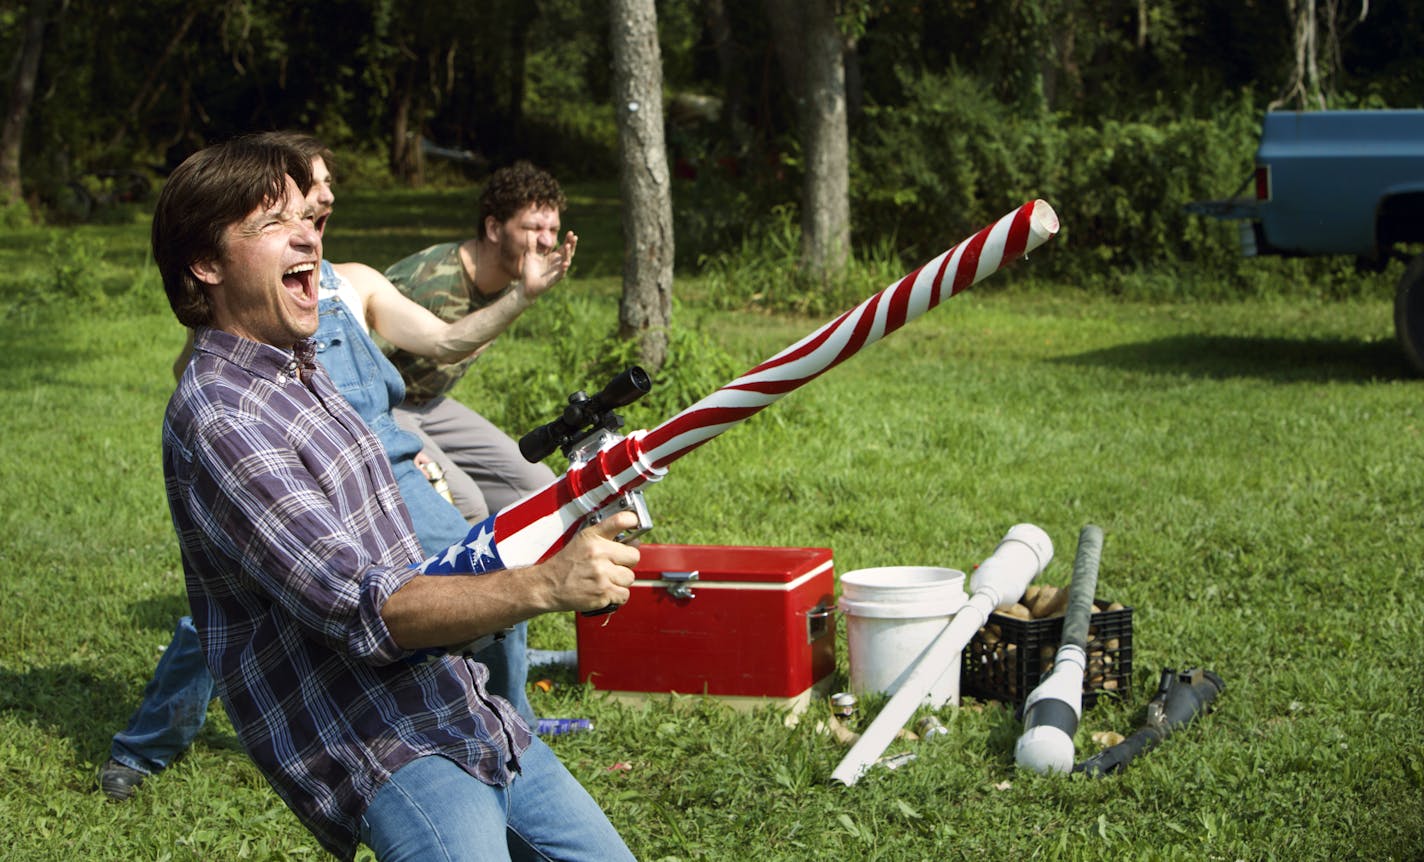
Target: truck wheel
<point>1409,313</point>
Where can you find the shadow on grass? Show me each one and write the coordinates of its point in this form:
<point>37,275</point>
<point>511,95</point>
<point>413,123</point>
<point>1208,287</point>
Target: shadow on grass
<point>70,701</point>
<point>1285,360</point>
<point>30,353</point>
<point>160,613</point>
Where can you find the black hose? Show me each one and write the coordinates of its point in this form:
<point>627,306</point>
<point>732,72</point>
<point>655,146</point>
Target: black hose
<point>1180,698</point>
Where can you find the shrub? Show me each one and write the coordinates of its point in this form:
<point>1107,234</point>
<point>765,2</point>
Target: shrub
<point>764,272</point>
<point>1122,196</point>
<point>951,159</point>
<point>723,196</point>
<point>528,378</point>
<point>946,162</point>
<point>15,215</point>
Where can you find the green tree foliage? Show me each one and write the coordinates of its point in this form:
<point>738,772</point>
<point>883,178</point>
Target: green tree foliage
<point>931,164</point>
<point>958,108</point>
<point>951,158</point>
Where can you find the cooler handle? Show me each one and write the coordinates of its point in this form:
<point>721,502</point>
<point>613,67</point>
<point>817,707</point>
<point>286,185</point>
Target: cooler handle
<point>818,620</point>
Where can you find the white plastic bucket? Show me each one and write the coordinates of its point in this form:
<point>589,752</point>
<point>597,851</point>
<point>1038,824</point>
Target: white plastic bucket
<point>892,613</point>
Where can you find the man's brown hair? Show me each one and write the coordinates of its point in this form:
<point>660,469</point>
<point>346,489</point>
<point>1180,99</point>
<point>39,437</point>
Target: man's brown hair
<point>511,189</point>
<point>213,188</point>
<point>308,145</point>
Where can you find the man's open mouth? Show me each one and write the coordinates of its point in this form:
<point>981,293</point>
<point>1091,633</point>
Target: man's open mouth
<point>300,278</point>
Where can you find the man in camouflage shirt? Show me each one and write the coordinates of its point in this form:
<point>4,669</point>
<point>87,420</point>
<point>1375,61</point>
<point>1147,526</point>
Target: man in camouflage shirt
<point>517,249</point>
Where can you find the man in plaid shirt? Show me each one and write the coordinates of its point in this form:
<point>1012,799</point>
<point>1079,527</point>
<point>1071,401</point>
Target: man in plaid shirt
<point>326,646</point>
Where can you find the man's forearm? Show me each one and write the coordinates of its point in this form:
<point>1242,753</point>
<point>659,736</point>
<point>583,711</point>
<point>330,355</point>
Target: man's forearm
<point>414,328</point>
<point>591,572</point>
<point>439,611</point>
<point>478,328</point>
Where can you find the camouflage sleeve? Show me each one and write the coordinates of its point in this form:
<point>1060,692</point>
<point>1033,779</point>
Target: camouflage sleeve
<point>434,278</point>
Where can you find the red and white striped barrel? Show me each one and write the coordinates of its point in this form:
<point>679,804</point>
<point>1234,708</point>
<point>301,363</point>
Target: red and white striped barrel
<point>535,527</point>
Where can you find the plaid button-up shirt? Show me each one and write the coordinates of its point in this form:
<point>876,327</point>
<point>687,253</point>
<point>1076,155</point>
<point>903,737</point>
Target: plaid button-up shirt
<point>293,535</point>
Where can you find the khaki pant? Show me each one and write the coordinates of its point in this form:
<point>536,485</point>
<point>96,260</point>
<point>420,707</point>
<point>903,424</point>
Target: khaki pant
<point>482,464</point>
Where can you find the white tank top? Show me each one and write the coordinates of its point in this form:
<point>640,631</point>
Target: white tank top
<point>346,292</point>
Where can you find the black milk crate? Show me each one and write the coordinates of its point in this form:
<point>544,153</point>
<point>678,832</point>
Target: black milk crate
<point>1008,657</point>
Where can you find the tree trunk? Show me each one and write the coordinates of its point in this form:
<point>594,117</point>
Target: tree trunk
<point>811,50</point>
<point>731,71</point>
<point>519,43</point>
<point>1306,87</point>
<point>17,111</point>
<point>407,160</point>
<point>646,309</point>
<point>854,80</point>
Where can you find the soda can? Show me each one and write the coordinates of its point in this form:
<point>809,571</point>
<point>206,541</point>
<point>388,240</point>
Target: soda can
<point>436,475</point>
<point>896,761</point>
<point>843,704</point>
<point>930,727</point>
<point>561,726</point>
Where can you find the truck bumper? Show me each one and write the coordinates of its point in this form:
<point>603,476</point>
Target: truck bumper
<point>1245,212</point>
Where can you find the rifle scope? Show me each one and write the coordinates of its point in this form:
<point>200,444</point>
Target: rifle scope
<point>584,414</point>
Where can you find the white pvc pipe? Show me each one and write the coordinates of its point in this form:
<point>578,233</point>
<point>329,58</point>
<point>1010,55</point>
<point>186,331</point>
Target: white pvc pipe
<point>998,582</point>
<point>1047,746</point>
<point>1053,709</point>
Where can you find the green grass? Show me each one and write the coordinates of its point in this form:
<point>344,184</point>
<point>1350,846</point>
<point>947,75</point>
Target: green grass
<point>1255,466</point>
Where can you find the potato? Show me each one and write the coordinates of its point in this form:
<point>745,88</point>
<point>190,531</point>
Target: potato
<point>1045,596</point>
<point>1107,738</point>
<point>1018,612</point>
<point>1055,605</point>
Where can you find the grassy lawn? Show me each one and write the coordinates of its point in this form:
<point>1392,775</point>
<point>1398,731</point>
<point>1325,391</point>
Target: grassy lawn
<point>1255,466</point>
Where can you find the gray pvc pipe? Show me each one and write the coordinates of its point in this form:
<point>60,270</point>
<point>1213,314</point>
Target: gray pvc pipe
<point>1078,616</point>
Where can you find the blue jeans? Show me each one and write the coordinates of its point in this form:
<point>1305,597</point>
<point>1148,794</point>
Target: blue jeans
<point>431,809</point>
<point>175,704</point>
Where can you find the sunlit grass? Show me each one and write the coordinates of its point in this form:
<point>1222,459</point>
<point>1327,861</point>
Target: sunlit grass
<point>1255,466</point>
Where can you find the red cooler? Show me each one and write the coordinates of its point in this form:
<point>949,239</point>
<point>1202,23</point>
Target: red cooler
<point>745,625</point>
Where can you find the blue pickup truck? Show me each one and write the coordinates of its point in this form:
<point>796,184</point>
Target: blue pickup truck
<point>1340,183</point>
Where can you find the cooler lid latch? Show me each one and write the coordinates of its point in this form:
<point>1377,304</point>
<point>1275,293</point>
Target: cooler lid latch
<point>680,584</point>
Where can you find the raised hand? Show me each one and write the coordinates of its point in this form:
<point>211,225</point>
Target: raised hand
<point>541,271</point>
